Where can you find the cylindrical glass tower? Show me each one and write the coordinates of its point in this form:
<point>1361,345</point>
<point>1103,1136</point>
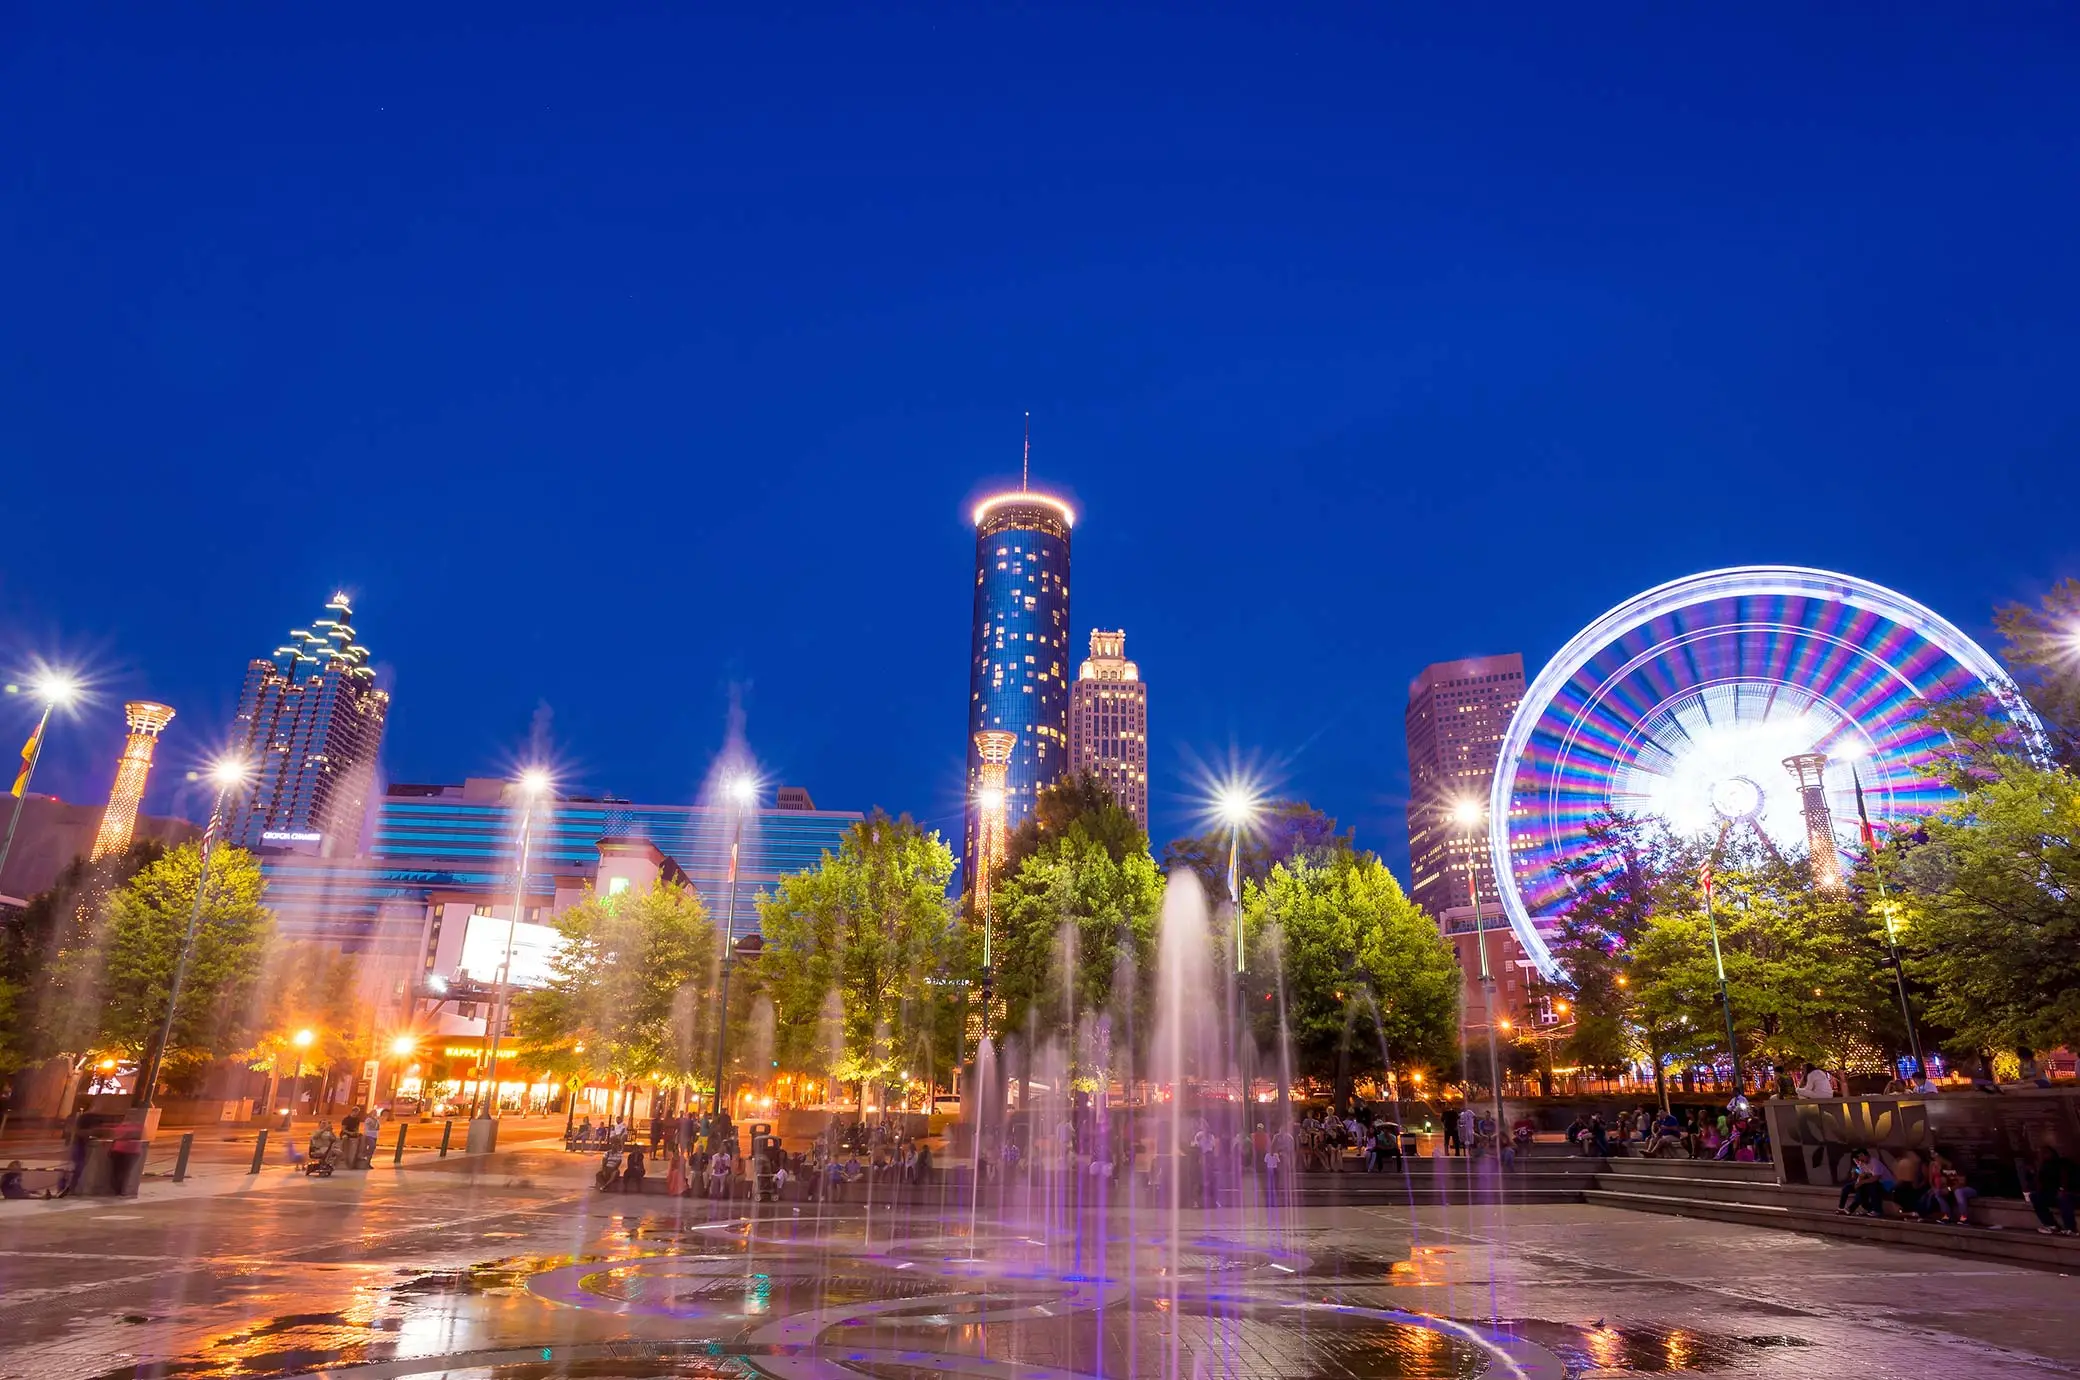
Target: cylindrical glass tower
<point>1018,672</point>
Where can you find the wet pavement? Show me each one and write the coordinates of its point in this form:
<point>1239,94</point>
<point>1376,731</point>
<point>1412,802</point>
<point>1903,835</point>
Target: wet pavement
<point>511,1267</point>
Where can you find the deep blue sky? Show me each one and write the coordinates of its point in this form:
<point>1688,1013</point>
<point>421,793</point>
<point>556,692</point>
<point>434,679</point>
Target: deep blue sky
<point>619,365</point>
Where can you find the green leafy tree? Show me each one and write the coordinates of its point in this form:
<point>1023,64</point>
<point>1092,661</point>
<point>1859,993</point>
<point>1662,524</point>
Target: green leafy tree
<point>1072,922</point>
<point>1081,801</point>
<point>866,962</point>
<point>1360,963</point>
<point>630,991</point>
<point>2040,645</point>
<point>147,919</point>
<point>40,1015</point>
<point>1990,906</point>
<point>314,987</point>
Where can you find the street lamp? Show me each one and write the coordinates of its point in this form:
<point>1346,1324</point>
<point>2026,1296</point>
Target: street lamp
<point>533,784</point>
<point>1468,814</point>
<point>1238,807</point>
<point>227,774</point>
<point>57,690</point>
<point>1893,959</point>
<point>302,1039</point>
<point>742,792</point>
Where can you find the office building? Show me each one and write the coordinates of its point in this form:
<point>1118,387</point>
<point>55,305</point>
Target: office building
<point>1458,712</point>
<point>1108,723</point>
<point>146,720</point>
<point>1018,676</point>
<point>310,719</point>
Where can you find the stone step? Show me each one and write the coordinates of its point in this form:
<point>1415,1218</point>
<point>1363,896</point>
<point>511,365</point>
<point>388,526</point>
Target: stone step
<point>2016,1245</point>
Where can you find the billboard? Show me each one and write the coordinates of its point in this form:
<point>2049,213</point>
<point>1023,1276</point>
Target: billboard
<point>484,948</point>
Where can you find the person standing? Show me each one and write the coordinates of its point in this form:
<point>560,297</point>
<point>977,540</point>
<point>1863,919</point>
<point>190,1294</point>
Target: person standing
<point>371,1126</point>
<point>2051,1190</point>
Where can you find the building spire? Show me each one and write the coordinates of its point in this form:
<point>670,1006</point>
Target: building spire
<point>1025,466</point>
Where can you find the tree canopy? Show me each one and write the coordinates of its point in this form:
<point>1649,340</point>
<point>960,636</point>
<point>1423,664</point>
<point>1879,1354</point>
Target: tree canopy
<point>866,962</point>
<point>1362,965</point>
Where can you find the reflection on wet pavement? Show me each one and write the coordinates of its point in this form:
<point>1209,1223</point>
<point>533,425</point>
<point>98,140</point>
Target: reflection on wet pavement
<point>483,1278</point>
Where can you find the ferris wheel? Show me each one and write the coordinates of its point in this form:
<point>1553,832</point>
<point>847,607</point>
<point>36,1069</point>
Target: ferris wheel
<point>1755,698</point>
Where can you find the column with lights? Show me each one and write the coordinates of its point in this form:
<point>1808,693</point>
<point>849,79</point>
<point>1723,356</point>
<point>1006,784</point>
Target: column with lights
<point>1469,814</point>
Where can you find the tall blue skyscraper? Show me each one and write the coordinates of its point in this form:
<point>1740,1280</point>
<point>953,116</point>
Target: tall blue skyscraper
<point>310,720</point>
<point>1018,673</point>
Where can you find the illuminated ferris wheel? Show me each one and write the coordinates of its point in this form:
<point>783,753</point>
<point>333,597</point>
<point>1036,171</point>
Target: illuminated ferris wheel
<point>1736,699</point>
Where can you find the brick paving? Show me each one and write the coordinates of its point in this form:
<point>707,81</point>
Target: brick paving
<point>291,1276</point>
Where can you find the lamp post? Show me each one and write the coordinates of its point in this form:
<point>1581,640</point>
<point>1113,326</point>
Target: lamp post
<point>1238,808</point>
<point>228,774</point>
<point>1711,920</point>
<point>54,690</point>
<point>1469,814</point>
<point>533,784</point>
<point>302,1040</point>
<point>742,792</point>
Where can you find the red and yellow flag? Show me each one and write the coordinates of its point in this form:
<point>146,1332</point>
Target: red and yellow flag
<point>21,778</point>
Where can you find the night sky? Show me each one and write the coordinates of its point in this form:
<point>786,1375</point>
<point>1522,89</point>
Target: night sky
<point>626,368</point>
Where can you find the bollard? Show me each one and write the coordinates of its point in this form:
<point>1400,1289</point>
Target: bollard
<point>180,1161</point>
<point>398,1156</point>
<point>447,1129</point>
<point>259,1150</point>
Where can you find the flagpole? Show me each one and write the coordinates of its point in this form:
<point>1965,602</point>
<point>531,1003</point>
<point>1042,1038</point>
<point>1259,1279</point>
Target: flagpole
<point>1898,965</point>
<point>30,758</point>
<point>1733,1045</point>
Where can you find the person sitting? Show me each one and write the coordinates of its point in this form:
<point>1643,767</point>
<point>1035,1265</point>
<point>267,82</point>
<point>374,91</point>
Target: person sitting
<point>581,1137</point>
<point>1817,1083</point>
<point>1868,1185</point>
<point>1578,1134</point>
<point>921,1167</point>
<point>632,1172</point>
<point>609,1169</point>
<point>11,1185</point>
<point>1910,1189</point>
<point>1950,1193</point>
<point>321,1145</point>
<point>2051,1190</point>
<point>719,1175</point>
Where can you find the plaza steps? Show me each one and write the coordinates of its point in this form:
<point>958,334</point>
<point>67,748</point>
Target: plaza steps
<point>2003,1229</point>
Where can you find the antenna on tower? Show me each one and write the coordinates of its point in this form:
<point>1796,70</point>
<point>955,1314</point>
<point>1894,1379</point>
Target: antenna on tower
<point>1025,466</point>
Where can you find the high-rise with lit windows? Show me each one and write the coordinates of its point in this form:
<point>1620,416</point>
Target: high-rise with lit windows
<point>1108,723</point>
<point>1458,712</point>
<point>1018,676</point>
<point>310,720</point>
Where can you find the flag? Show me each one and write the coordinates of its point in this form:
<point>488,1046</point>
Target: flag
<point>1870,837</point>
<point>1705,876</point>
<point>21,778</point>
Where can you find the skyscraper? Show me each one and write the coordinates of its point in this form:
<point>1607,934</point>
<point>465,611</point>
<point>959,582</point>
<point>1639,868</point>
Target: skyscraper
<point>1108,722</point>
<point>1018,677</point>
<point>1458,712</point>
<point>310,719</point>
<point>119,820</point>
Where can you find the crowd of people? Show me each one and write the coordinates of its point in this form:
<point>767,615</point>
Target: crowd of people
<point>1731,1134</point>
<point>702,1158</point>
<point>1933,1189</point>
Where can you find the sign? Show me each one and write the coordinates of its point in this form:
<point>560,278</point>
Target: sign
<point>484,951</point>
<point>290,836</point>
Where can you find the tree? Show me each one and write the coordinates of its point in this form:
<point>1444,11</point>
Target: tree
<point>306,986</point>
<point>1282,831</point>
<point>627,989</point>
<point>865,961</point>
<point>1072,922</point>
<point>1990,905</point>
<point>1082,801</point>
<point>1364,971</point>
<point>2041,645</point>
<point>147,919</point>
<point>39,1016</point>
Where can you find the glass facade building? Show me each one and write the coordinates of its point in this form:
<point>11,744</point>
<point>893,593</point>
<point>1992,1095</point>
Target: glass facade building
<point>310,720</point>
<point>436,844</point>
<point>1018,677</point>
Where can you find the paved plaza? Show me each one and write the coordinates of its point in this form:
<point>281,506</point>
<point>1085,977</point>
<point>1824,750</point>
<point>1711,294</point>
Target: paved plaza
<point>512,1267</point>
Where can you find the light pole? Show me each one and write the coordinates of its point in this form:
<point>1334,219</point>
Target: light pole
<point>302,1040</point>
<point>1711,920</point>
<point>228,774</point>
<point>742,792</point>
<point>1238,807</point>
<point>1469,814</point>
<point>54,690</point>
<point>533,784</point>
